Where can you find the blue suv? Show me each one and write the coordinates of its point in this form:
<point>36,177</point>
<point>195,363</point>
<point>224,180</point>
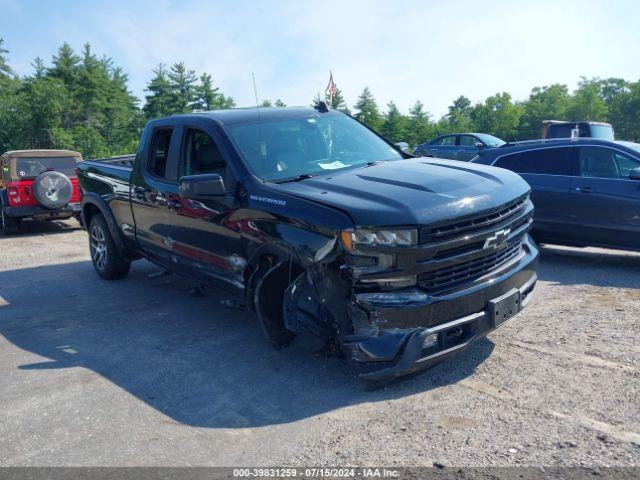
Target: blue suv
<point>586,191</point>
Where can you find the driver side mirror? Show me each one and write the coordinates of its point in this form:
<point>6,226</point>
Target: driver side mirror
<point>201,187</point>
<point>479,145</point>
<point>403,146</point>
<point>634,174</point>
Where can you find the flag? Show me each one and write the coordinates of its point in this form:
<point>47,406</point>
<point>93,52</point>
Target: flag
<point>331,88</point>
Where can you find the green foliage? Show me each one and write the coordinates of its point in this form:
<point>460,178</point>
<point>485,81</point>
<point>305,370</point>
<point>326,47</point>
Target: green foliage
<point>367,110</point>
<point>545,103</point>
<point>587,104</point>
<point>498,115</point>
<point>394,126</point>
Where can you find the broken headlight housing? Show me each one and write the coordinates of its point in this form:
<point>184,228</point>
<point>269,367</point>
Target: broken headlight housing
<point>382,238</point>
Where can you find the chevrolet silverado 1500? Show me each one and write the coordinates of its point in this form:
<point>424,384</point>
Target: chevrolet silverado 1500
<point>321,226</point>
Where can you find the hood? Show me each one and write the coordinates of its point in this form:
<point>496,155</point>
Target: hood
<point>411,192</point>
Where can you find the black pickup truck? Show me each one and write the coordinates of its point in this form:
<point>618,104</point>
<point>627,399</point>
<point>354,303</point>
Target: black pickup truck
<point>321,226</point>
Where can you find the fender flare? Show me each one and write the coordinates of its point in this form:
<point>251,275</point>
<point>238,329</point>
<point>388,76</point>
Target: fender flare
<point>98,202</point>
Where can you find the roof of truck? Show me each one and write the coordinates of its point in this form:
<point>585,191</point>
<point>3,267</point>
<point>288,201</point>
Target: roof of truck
<point>253,114</point>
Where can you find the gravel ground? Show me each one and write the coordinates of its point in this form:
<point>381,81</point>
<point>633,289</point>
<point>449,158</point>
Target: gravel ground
<point>138,372</point>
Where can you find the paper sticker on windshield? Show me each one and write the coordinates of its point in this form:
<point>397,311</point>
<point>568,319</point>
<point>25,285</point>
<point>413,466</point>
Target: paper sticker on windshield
<point>332,165</point>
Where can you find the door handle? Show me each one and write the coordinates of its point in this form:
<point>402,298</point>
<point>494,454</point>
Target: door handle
<point>584,189</point>
<point>174,204</point>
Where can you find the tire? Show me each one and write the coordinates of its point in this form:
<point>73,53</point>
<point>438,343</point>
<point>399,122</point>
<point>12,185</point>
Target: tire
<point>52,189</point>
<point>105,256</point>
<point>9,224</point>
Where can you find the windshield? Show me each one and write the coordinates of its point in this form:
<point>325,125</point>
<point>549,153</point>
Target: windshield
<point>490,140</point>
<point>602,131</point>
<point>285,149</point>
<point>31,167</point>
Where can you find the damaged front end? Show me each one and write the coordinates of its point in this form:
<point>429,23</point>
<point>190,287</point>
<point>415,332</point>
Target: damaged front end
<point>399,301</point>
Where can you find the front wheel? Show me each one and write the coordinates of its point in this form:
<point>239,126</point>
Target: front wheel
<point>105,256</point>
<point>9,224</point>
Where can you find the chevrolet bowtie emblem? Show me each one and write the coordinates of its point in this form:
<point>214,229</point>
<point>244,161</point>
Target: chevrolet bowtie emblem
<point>498,239</point>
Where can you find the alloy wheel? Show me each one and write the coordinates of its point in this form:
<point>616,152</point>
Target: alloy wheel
<point>98,247</point>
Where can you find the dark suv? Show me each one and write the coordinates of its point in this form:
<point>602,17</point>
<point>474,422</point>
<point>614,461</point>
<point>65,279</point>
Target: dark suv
<point>586,191</point>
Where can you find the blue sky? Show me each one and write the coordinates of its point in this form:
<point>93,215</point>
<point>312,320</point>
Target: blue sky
<point>403,50</point>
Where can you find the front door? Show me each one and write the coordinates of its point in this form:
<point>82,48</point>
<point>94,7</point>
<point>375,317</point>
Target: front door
<point>206,237</point>
<point>467,147</point>
<point>606,203</point>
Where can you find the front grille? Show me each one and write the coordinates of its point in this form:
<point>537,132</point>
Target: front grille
<point>438,233</point>
<point>453,277</point>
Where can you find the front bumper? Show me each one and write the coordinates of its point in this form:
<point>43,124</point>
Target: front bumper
<point>40,213</point>
<point>404,319</point>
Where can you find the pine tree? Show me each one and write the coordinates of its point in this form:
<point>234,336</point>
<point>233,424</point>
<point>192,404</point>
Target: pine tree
<point>38,67</point>
<point>420,129</point>
<point>65,65</point>
<point>183,87</point>
<point>280,103</point>
<point>394,125</point>
<point>206,94</point>
<point>338,102</point>
<point>209,97</point>
<point>367,110</point>
<point>159,102</point>
<point>5,69</point>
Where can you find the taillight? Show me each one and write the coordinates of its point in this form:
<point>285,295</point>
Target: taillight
<point>14,195</point>
<point>20,194</point>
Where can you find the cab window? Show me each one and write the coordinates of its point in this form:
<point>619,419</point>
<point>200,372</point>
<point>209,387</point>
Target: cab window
<point>201,155</point>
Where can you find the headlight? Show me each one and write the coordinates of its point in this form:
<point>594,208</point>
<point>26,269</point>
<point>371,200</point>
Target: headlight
<point>386,238</point>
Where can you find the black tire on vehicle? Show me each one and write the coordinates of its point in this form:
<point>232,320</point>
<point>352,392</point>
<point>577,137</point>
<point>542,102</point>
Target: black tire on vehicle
<point>105,256</point>
<point>9,224</point>
<point>52,189</point>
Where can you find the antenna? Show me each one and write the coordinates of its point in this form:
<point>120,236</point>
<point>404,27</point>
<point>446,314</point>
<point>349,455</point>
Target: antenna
<point>262,147</point>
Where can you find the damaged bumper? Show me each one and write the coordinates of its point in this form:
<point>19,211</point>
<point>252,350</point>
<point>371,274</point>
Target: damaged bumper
<point>410,330</point>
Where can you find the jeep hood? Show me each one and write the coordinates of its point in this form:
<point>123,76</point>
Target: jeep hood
<point>409,192</point>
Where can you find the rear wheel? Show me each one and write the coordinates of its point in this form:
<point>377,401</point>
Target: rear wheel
<point>9,224</point>
<point>105,256</point>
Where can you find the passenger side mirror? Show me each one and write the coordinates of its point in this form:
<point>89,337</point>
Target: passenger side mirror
<point>201,187</point>
<point>403,146</point>
<point>634,174</point>
<point>479,145</point>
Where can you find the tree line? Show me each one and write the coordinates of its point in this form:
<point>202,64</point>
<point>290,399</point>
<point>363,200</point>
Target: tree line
<point>82,102</point>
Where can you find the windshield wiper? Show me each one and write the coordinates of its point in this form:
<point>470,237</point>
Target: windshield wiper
<point>302,176</point>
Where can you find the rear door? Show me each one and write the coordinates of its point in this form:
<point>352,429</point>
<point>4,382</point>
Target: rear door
<point>549,172</point>
<point>605,202</point>
<point>153,180</point>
